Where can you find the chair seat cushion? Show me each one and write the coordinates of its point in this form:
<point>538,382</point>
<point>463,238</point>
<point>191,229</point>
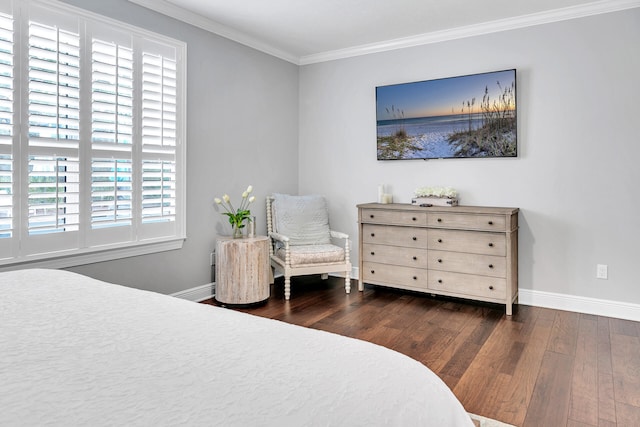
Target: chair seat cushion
<point>312,254</point>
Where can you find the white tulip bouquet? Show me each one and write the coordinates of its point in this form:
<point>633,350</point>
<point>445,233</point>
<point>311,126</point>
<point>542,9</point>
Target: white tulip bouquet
<point>239,215</point>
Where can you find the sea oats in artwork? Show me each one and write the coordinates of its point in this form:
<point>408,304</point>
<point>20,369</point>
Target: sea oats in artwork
<point>458,117</point>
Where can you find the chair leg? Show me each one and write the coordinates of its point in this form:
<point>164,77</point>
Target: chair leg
<point>324,276</point>
<point>287,287</point>
<point>347,283</point>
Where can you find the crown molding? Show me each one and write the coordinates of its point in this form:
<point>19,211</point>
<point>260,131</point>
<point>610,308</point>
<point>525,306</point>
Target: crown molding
<point>173,11</point>
<point>556,15</point>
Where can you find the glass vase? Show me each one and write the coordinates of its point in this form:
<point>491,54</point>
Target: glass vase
<point>251,227</point>
<point>237,231</point>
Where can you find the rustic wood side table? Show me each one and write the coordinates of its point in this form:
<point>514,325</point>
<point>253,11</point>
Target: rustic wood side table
<point>242,270</point>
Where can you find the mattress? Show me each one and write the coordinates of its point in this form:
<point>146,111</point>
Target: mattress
<point>76,351</point>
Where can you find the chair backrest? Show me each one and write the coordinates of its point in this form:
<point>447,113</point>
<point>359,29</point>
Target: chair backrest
<point>303,219</point>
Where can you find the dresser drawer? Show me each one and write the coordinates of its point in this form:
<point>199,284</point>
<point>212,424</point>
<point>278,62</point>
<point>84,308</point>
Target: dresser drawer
<point>468,241</point>
<point>485,265</point>
<point>396,236</point>
<point>467,284</point>
<point>383,254</point>
<point>394,275</point>
<point>377,216</point>
<point>467,221</point>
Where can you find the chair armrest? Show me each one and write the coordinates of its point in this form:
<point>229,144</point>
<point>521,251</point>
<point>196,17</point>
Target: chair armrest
<point>285,241</point>
<point>279,237</point>
<point>345,236</point>
<point>339,235</point>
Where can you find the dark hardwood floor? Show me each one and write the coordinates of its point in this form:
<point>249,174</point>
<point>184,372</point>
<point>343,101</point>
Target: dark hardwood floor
<point>539,367</point>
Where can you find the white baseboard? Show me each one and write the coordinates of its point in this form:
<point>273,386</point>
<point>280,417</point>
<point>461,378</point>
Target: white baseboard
<point>600,307</point>
<point>354,273</point>
<point>578,304</point>
<point>197,294</point>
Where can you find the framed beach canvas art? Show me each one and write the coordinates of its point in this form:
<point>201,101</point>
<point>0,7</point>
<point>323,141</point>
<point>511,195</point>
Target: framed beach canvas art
<point>457,117</point>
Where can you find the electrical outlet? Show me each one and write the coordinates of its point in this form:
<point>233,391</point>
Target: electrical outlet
<point>602,271</point>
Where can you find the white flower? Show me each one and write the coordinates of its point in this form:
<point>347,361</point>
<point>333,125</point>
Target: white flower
<point>448,192</point>
<point>238,215</point>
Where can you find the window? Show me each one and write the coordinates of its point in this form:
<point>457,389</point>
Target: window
<point>91,136</point>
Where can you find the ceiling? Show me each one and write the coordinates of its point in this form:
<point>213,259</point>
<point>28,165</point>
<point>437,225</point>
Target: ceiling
<point>307,31</point>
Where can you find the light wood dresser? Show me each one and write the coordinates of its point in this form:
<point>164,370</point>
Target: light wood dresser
<point>461,251</point>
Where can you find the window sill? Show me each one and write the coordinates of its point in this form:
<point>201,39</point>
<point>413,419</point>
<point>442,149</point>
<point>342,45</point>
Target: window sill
<point>92,256</point>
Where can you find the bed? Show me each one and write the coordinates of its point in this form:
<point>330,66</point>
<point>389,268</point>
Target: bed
<point>78,351</point>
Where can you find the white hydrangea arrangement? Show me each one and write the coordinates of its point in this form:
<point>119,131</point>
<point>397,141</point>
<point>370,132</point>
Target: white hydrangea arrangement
<point>440,192</point>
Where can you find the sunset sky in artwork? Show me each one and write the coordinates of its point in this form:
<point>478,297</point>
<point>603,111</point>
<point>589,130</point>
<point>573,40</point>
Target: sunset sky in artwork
<point>439,97</point>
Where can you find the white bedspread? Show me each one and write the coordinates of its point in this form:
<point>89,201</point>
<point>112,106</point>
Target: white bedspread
<point>75,351</point>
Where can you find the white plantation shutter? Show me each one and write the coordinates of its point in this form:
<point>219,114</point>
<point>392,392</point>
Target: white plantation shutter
<point>54,94</point>
<point>158,138</point>
<point>91,134</point>
<point>52,140</point>
<point>111,138</point>
<point>111,192</point>
<point>6,135</point>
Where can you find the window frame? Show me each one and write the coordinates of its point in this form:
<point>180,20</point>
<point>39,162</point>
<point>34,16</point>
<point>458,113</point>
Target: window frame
<point>140,238</point>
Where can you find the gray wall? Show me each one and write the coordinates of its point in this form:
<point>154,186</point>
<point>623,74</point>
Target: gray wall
<point>576,177</point>
<point>242,124</point>
<point>254,119</point>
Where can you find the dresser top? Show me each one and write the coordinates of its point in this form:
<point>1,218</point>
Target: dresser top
<point>450,209</point>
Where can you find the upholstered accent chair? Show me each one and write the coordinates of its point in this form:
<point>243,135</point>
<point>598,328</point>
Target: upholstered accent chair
<point>302,242</point>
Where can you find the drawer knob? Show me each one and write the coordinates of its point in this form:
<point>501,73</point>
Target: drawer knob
<point>439,260</point>
<point>490,245</point>
<point>373,272</point>
<point>371,216</point>
<point>439,240</point>
<point>415,278</point>
<point>373,234</point>
<point>414,218</point>
<point>490,287</point>
<point>373,253</point>
<point>439,219</point>
<point>490,265</point>
<point>415,238</point>
<point>415,258</point>
<point>490,222</point>
<point>439,280</point>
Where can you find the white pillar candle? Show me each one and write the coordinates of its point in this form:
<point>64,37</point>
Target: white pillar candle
<point>380,193</point>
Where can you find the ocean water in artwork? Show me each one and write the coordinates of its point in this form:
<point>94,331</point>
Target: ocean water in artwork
<point>430,134</point>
